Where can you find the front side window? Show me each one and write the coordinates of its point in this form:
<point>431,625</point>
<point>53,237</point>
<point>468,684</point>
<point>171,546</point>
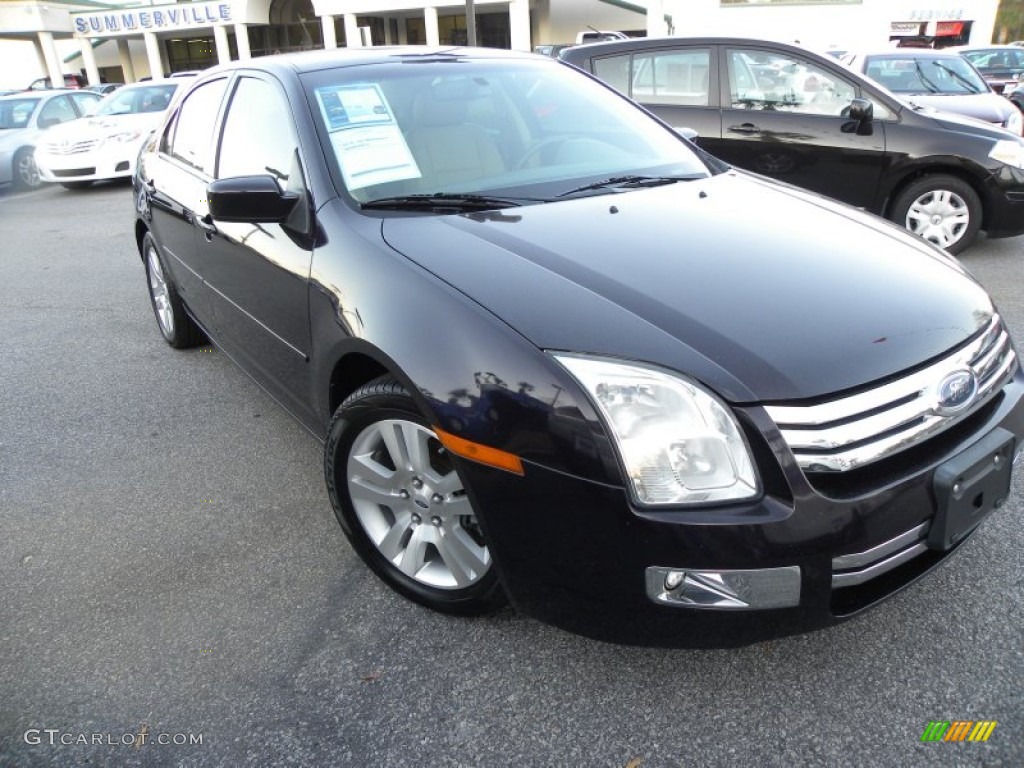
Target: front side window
<point>779,82</point>
<point>58,110</point>
<point>85,101</point>
<point>533,129</point>
<point>258,135</point>
<point>131,101</point>
<point>192,138</point>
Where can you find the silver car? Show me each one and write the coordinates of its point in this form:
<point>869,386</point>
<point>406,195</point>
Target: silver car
<point>23,118</point>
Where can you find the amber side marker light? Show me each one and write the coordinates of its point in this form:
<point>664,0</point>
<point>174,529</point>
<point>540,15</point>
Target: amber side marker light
<point>483,454</point>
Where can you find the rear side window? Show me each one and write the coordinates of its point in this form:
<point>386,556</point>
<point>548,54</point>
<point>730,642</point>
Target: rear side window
<point>614,70</point>
<point>191,138</point>
<point>678,77</point>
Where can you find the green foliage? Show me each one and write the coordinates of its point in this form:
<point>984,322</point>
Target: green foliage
<point>1009,21</point>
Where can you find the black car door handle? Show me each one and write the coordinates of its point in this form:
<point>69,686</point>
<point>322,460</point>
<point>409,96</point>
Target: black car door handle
<point>745,128</point>
<point>205,223</point>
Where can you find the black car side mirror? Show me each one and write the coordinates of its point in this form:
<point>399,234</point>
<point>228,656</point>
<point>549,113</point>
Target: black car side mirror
<point>862,110</point>
<point>250,199</point>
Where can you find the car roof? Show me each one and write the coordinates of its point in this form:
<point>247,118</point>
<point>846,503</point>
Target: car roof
<point>586,50</point>
<point>48,93</point>
<point>908,53</point>
<point>312,61</point>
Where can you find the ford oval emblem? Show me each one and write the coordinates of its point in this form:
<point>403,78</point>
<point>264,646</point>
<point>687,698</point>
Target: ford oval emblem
<point>956,392</point>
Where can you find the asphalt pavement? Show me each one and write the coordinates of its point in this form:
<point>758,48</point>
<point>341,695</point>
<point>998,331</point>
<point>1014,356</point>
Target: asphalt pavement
<point>175,590</point>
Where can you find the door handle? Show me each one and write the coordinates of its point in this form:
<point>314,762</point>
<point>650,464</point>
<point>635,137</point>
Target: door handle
<point>206,224</point>
<point>747,128</point>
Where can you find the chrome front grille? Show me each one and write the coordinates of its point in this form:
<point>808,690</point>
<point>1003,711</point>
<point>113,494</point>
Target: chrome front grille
<point>70,148</point>
<point>852,431</point>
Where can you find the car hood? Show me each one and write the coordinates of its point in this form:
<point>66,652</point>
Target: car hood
<point>764,292</point>
<point>990,107</point>
<point>100,127</point>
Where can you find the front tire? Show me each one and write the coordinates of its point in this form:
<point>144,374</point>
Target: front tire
<point>942,209</point>
<point>178,329</point>
<point>402,504</point>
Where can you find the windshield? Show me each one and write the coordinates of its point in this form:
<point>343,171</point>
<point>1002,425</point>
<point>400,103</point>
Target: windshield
<point>448,125</point>
<point>925,74</point>
<point>131,101</point>
<point>15,113</point>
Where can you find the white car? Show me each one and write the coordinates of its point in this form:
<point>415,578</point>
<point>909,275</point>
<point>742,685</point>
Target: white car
<point>25,120</point>
<point>105,145</point>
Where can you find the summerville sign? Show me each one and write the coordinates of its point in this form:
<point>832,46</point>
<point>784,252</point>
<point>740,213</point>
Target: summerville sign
<point>152,18</point>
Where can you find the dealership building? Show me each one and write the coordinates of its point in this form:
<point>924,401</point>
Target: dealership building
<point>122,41</point>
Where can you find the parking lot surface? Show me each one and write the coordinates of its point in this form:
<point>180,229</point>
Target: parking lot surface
<point>176,590</point>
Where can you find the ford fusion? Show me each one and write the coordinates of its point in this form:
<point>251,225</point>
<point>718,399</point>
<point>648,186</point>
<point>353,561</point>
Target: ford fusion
<point>559,356</point>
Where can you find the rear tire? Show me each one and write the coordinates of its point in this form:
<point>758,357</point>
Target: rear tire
<point>403,506</point>
<point>942,209</point>
<point>178,329</point>
<point>25,172</point>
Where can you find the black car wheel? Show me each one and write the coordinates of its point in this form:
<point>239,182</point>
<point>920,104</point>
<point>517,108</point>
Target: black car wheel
<point>942,209</point>
<point>26,174</point>
<point>179,330</point>
<point>402,504</point>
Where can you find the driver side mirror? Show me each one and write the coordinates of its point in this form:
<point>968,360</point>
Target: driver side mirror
<point>862,110</point>
<point>250,199</point>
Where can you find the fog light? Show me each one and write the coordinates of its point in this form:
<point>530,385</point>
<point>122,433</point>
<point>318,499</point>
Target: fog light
<point>744,590</point>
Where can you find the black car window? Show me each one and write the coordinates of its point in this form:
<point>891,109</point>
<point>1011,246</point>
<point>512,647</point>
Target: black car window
<point>192,136</point>
<point>58,110</point>
<point>258,134</point>
<point>614,70</point>
<point>780,82</point>
<point>677,77</point>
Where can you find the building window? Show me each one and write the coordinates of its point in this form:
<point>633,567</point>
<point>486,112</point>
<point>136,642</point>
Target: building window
<point>294,26</point>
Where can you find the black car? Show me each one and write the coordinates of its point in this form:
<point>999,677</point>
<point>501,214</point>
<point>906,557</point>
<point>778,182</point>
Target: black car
<point>786,112</point>
<point>1002,66</point>
<point>558,355</point>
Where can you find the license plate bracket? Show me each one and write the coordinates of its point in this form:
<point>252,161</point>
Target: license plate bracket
<point>970,486</point>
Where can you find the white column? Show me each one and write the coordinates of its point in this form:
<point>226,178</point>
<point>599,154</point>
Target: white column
<point>330,37</point>
<point>242,42</point>
<point>387,32</point>
<point>89,59</point>
<point>124,53</point>
<point>430,22</point>
<point>519,25</point>
<point>352,38</point>
<point>156,64</point>
<point>656,26</point>
<point>53,69</point>
<point>220,39</point>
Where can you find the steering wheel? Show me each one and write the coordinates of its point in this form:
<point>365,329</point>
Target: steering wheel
<point>539,146</point>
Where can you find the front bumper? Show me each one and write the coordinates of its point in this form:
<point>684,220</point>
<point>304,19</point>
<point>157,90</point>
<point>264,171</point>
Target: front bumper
<point>578,554</point>
<point>1004,208</point>
<point>110,160</point>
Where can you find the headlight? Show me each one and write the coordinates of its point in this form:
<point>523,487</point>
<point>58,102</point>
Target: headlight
<point>1015,122</point>
<point>1009,152</point>
<point>679,443</point>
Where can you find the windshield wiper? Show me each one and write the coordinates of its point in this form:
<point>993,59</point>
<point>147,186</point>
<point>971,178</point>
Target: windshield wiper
<point>931,86</point>
<point>442,201</point>
<point>632,182</point>
<point>957,76</point>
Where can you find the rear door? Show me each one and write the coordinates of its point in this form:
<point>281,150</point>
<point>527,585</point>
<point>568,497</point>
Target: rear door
<point>784,115</point>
